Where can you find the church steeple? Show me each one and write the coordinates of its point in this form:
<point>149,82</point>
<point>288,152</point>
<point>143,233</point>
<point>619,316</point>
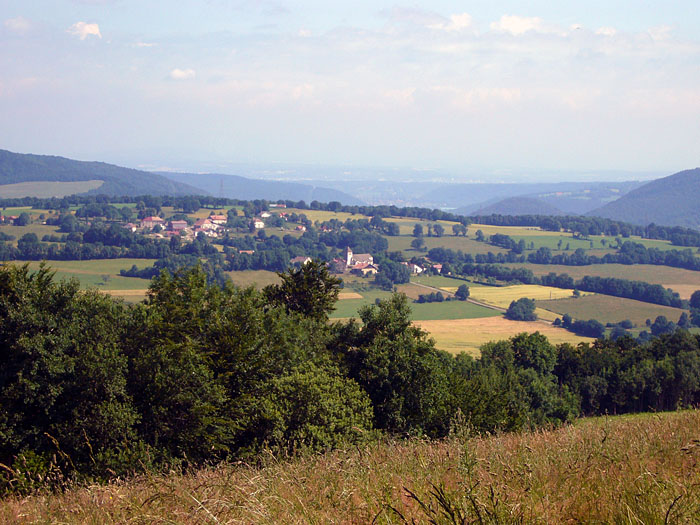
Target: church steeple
<point>348,256</point>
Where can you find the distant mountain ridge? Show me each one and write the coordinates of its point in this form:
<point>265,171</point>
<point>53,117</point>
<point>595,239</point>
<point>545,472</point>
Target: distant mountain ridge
<point>519,206</point>
<point>22,168</point>
<point>669,201</point>
<point>237,187</point>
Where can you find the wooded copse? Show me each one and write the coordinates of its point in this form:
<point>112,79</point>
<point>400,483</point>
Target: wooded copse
<point>93,388</point>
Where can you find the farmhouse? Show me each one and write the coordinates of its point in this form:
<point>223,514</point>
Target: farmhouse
<point>414,268</point>
<point>151,222</point>
<point>177,226</point>
<point>364,269</point>
<point>258,224</point>
<point>218,219</point>
<point>205,224</point>
<point>300,261</point>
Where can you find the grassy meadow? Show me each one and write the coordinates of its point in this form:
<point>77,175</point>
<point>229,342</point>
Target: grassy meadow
<point>625,469</point>
<point>47,189</point>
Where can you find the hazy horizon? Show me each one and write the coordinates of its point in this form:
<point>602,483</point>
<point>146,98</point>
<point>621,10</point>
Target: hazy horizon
<point>518,91</point>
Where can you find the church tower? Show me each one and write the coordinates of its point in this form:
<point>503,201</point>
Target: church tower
<point>348,256</point>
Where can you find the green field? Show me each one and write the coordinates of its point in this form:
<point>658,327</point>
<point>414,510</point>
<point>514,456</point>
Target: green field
<point>446,310</point>
<point>467,245</point>
<point>39,229</point>
<point>607,309</point>
<point>92,273</point>
<point>256,278</point>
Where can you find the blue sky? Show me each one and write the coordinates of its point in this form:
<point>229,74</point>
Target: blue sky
<point>492,87</point>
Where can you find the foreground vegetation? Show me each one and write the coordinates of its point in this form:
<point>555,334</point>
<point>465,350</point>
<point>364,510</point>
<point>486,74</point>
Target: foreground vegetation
<point>93,388</point>
<point>629,469</point>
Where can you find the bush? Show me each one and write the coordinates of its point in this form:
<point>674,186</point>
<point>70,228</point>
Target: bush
<point>522,310</point>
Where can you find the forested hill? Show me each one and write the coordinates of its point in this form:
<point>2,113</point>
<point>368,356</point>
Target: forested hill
<point>670,201</point>
<point>235,186</point>
<point>26,168</point>
<point>520,206</point>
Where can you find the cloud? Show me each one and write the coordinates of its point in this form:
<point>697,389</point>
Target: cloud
<point>518,25</point>
<point>660,32</point>
<point>84,30</point>
<point>145,44</point>
<point>456,22</point>
<point>606,31</point>
<point>182,74</point>
<point>18,25</point>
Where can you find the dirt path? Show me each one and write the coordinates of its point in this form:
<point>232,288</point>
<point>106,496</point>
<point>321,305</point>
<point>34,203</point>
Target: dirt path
<point>473,301</point>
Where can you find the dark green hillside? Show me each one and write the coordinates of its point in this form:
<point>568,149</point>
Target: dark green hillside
<point>670,201</point>
<point>520,206</point>
<point>17,167</point>
<point>237,187</point>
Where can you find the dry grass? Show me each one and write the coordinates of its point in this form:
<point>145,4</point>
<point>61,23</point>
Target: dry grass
<point>638,469</point>
<point>608,309</point>
<point>349,295</point>
<point>684,290</point>
<point>467,335</point>
<point>637,272</point>
<point>502,296</point>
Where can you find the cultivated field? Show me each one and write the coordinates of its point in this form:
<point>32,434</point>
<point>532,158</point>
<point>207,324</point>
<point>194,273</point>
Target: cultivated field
<point>46,189</point>
<point>608,309</point>
<point>503,295</point>
<point>638,272</point>
<point>467,335</point>
<point>624,469</point>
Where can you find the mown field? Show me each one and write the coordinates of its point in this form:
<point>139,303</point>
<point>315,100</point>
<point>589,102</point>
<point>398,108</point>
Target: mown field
<point>467,335</point>
<point>640,469</point>
<point>608,309</point>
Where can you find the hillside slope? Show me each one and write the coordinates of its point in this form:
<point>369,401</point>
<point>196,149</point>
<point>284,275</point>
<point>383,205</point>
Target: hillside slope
<point>670,201</point>
<point>600,470</point>
<point>26,168</point>
<point>237,187</point>
<point>520,206</point>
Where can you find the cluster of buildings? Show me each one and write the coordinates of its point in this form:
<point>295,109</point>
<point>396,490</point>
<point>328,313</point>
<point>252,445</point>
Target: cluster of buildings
<point>210,226</point>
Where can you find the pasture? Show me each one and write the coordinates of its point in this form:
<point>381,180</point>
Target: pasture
<point>47,189</point>
<point>467,245</point>
<point>348,307</point>
<point>608,309</point>
<point>102,274</point>
<point>257,278</point>
<point>467,335</point>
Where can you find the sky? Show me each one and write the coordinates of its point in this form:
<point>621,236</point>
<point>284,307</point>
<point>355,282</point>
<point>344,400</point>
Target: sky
<point>507,87</point>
